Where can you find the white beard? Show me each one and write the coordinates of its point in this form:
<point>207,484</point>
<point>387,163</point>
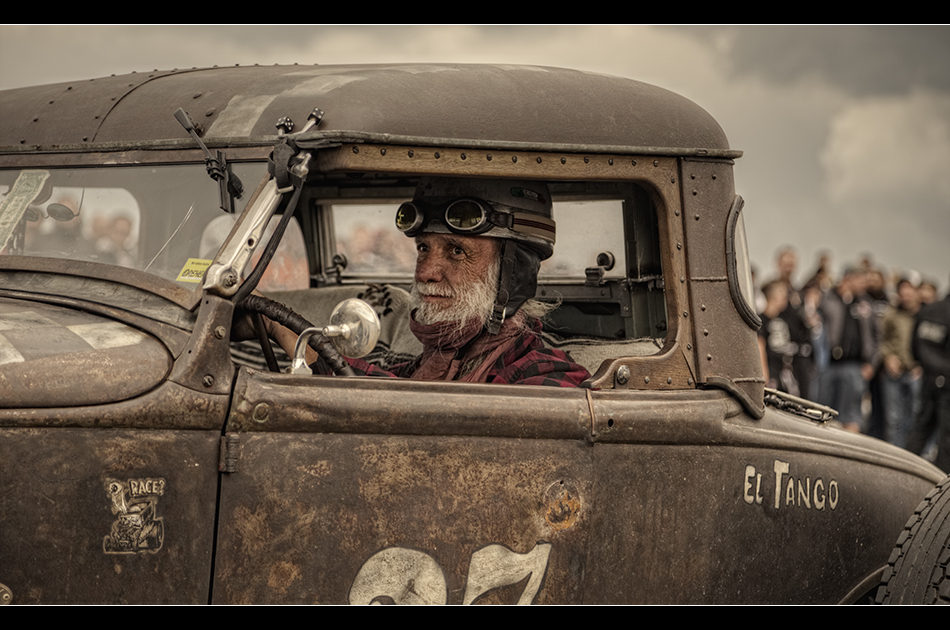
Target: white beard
<point>473,302</point>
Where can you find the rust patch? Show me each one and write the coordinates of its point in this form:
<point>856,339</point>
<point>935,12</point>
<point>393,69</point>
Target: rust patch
<point>561,505</point>
<point>282,575</point>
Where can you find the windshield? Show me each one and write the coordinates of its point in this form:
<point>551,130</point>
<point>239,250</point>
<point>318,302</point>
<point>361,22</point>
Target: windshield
<point>164,220</point>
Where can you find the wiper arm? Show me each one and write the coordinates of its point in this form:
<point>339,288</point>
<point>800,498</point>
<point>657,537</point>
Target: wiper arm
<point>229,184</point>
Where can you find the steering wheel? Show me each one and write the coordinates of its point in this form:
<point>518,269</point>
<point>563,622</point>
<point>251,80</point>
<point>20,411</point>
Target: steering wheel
<point>285,316</point>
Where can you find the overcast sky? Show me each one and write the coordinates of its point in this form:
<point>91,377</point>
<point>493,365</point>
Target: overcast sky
<point>845,129</point>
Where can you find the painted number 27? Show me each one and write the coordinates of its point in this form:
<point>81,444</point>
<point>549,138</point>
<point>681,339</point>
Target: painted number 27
<point>408,576</point>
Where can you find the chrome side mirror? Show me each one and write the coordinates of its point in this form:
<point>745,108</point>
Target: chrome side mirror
<point>353,329</point>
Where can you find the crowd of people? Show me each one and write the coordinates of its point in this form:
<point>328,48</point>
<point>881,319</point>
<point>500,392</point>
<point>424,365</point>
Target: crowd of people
<point>874,347</point>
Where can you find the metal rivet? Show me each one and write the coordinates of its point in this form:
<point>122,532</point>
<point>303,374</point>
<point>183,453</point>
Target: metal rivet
<point>702,307</point>
<point>705,332</point>
<point>714,177</point>
<point>586,160</point>
<point>669,380</point>
<point>514,158</point>
<point>383,151</point>
<point>208,380</point>
<point>682,279</point>
<point>689,381</point>
<point>673,179</point>
<point>220,332</point>
<point>689,346</point>
<point>563,160</point>
<point>709,357</point>
<point>488,157</point>
<point>679,246</point>
<point>437,155</point>
<point>463,156</point>
<point>539,160</point>
<point>633,162</point>
<point>695,193</point>
<point>696,216</point>
<point>610,161</point>
<point>692,175</point>
<point>646,379</point>
<point>356,149</point>
<point>685,314</point>
<point>623,375</point>
<point>411,153</point>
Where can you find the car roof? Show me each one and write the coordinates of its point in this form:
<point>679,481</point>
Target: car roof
<point>528,107</point>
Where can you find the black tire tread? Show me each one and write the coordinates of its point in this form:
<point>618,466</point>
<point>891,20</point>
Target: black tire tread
<point>918,570</point>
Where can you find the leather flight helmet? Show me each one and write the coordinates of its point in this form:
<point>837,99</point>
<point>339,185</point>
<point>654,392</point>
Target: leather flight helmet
<point>517,212</point>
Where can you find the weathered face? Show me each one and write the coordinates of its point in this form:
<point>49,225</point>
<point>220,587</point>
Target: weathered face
<point>456,277</point>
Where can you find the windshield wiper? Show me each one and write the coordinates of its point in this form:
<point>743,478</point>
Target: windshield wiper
<point>229,184</point>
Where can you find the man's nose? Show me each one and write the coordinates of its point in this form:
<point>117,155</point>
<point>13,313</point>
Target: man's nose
<point>428,269</point>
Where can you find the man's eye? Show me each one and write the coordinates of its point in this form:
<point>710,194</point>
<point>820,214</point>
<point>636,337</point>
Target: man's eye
<point>458,251</point>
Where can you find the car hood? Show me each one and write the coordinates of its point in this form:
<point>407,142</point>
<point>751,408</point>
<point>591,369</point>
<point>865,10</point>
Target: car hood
<point>51,356</point>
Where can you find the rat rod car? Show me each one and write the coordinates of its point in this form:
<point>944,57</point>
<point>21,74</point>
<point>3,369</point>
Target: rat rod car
<point>147,458</point>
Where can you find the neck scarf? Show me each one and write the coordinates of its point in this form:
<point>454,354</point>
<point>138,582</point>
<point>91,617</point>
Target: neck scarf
<point>466,354</point>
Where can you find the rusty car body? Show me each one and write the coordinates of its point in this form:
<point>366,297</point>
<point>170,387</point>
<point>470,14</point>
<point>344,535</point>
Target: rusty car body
<point>145,458</point>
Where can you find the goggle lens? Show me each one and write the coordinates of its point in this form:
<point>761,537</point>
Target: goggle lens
<point>465,215</point>
<point>408,216</point>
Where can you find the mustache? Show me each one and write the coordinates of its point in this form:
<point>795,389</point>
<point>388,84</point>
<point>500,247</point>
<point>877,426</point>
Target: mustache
<point>434,290</point>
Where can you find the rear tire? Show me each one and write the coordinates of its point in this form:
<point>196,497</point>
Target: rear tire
<point>918,570</point>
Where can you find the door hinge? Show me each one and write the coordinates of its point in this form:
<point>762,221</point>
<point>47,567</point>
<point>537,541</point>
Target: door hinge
<point>230,453</point>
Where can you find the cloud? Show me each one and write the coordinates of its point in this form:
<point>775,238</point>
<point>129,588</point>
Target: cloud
<point>884,151</point>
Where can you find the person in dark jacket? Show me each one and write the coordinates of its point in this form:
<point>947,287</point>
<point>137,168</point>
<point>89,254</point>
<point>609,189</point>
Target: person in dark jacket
<point>931,347</point>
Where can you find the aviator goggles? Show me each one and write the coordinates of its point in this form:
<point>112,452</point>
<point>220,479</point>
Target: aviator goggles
<point>469,216</point>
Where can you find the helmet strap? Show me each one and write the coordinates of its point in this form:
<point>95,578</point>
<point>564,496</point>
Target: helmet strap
<point>517,282</point>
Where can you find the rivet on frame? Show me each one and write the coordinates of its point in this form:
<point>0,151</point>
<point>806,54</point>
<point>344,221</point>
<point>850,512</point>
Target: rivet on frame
<point>669,380</point>
<point>689,346</point>
<point>633,162</point>
<point>705,332</point>
<point>685,313</point>
<point>411,153</point>
<point>610,161</point>
<point>437,155</point>
<point>563,160</point>
<point>709,357</point>
<point>692,175</point>
<point>514,158</point>
<point>673,179</point>
<point>463,156</point>
<point>383,151</point>
<point>682,279</point>
<point>586,160</point>
<point>695,192</point>
<point>656,162</point>
<point>646,379</point>
<point>539,160</point>
<point>696,216</point>
<point>488,157</point>
<point>356,149</point>
<point>679,246</point>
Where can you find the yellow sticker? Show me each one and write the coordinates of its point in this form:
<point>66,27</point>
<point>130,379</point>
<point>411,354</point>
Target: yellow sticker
<point>193,270</point>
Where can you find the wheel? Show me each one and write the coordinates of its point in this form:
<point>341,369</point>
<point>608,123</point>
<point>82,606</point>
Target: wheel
<point>918,570</point>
